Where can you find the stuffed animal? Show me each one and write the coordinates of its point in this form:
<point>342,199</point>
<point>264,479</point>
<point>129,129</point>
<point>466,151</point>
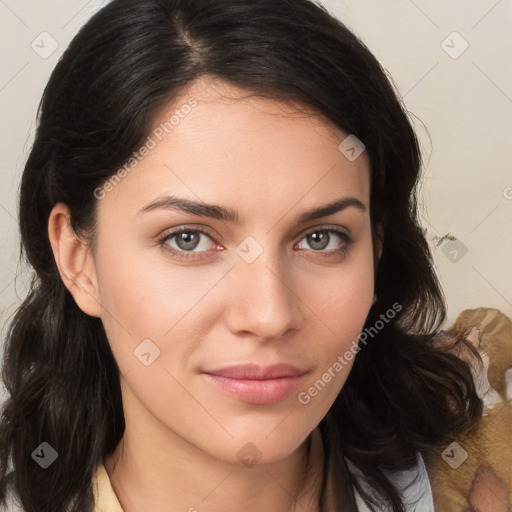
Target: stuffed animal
<point>474,472</point>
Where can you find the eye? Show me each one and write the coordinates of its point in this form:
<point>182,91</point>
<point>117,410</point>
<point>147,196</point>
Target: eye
<point>320,239</point>
<point>185,241</point>
<point>190,243</point>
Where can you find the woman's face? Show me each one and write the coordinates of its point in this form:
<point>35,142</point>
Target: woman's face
<point>229,336</point>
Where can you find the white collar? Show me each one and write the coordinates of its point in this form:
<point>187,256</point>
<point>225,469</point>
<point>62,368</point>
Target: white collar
<point>413,483</point>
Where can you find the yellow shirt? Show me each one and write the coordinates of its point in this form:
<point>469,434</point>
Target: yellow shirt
<point>105,499</point>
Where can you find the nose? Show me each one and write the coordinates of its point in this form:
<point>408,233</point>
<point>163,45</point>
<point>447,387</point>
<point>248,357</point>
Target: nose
<point>262,300</point>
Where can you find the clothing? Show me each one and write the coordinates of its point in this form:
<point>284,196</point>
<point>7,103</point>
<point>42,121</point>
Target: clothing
<point>414,483</point>
<point>105,499</point>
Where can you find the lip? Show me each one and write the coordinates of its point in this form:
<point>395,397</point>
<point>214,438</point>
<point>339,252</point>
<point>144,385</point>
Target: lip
<point>257,384</point>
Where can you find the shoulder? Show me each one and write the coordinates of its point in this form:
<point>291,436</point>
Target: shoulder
<point>413,483</point>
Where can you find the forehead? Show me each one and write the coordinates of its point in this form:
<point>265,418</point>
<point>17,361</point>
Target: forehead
<point>221,143</point>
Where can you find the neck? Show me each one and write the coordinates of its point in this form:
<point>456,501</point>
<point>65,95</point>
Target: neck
<point>154,469</point>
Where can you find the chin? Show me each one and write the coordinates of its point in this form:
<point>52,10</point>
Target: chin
<point>250,451</point>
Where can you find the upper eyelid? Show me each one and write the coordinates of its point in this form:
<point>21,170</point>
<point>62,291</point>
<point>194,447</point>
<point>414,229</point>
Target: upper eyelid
<point>207,231</point>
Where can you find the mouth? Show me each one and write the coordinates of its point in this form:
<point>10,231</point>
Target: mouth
<point>256,384</point>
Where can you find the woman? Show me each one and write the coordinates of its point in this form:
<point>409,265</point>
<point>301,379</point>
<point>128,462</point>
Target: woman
<point>234,305</point>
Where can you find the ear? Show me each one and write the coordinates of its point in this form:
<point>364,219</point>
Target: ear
<point>74,261</point>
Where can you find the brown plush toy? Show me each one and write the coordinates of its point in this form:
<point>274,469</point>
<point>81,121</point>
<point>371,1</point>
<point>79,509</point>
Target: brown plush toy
<point>474,472</point>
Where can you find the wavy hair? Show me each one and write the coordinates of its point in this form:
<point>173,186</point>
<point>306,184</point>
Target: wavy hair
<point>404,394</point>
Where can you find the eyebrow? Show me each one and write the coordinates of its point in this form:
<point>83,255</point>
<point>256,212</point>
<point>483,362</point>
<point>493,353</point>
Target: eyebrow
<point>214,211</point>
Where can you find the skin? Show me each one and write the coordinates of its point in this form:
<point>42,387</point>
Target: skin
<point>270,163</point>
<point>488,492</point>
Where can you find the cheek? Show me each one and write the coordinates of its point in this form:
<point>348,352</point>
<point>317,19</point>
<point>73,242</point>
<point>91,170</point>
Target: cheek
<point>342,298</point>
<point>341,302</point>
<point>147,297</point>
<point>341,319</point>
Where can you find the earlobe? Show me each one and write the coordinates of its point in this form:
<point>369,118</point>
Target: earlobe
<point>74,261</point>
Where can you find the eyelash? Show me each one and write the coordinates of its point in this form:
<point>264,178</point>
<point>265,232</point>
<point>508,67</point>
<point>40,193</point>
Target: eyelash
<point>189,255</point>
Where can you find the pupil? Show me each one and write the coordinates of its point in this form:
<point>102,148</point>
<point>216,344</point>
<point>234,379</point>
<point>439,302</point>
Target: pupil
<point>189,240</point>
<point>318,238</point>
